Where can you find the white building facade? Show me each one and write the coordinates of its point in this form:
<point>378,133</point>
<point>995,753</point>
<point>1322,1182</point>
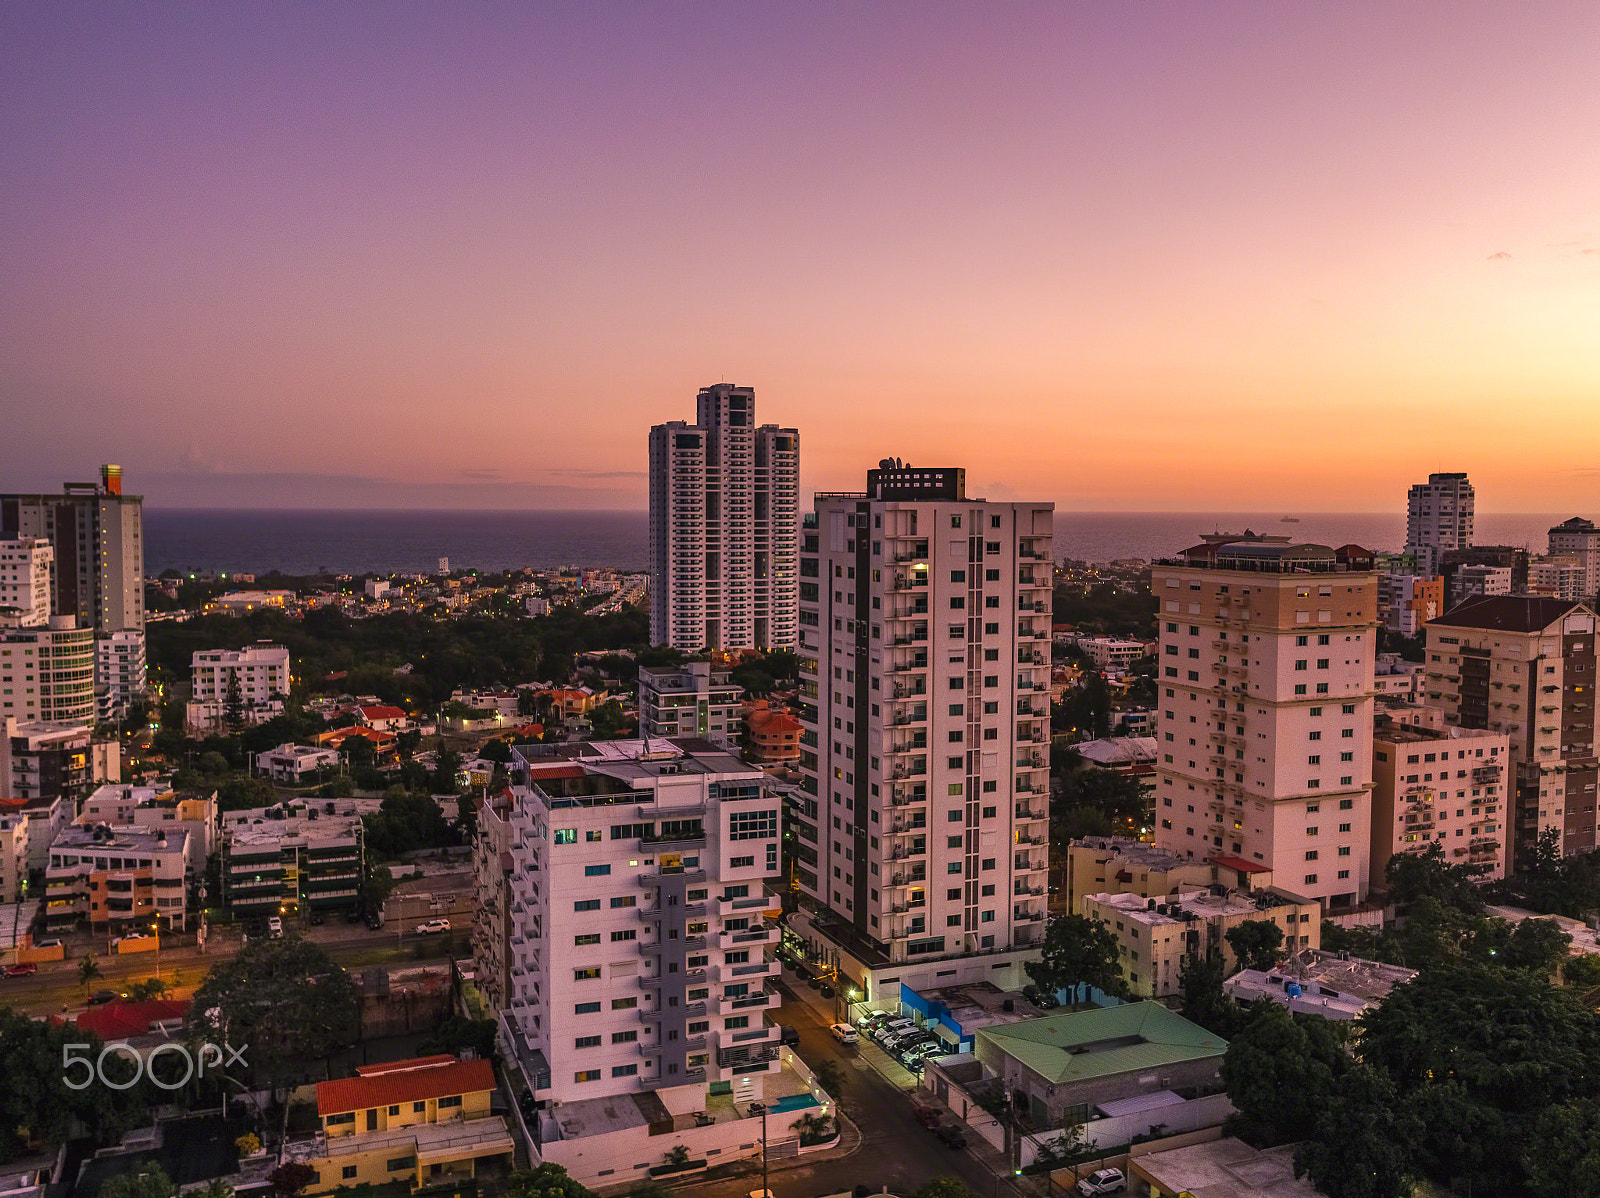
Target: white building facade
<point>27,566</point>
<point>1439,516</point>
<point>724,513</point>
<point>256,678</point>
<point>921,836</point>
<point>48,673</point>
<point>641,928</point>
<point>1579,540</point>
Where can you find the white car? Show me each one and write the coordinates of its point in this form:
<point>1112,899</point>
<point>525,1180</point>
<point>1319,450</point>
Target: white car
<point>434,925</point>
<point>1102,1181</point>
<point>844,1033</point>
<point>274,926</point>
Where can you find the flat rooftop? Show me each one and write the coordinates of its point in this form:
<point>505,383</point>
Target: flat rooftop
<point>1225,1168</point>
<point>1134,852</point>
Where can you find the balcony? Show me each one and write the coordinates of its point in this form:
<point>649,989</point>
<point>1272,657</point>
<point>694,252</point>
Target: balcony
<point>741,1004</point>
<point>900,797</point>
<point>765,933</point>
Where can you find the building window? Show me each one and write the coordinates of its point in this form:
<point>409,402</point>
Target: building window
<point>586,1075</point>
<point>596,871</point>
<point>586,975</point>
<point>624,1070</point>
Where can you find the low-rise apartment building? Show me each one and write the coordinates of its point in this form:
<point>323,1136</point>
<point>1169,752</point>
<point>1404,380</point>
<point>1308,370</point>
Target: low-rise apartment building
<point>244,684</point>
<point>14,829</point>
<point>291,858</point>
<point>158,808</point>
<point>117,878</point>
<point>425,1122</point>
<point>1108,653</point>
<point>771,734</point>
<point>1156,935</point>
<point>295,765</point>
<point>1315,982</point>
<point>46,760</point>
<point>695,699</point>
<point>1122,865</point>
<point>1449,787</point>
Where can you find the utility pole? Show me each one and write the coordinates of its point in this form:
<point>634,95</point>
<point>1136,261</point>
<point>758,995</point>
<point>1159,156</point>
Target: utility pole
<point>762,1107</point>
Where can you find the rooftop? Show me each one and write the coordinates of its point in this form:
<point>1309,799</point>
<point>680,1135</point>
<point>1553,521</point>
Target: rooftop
<point>1505,613</point>
<point>1226,1168</point>
<point>1134,852</point>
<point>105,836</point>
<point>1082,1045</point>
<point>403,1081</point>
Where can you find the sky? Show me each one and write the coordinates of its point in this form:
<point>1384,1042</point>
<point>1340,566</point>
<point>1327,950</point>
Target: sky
<point>1184,256</point>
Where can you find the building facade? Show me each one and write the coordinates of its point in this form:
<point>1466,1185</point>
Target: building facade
<point>290,859</point>
<point>694,699</point>
<point>247,683</point>
<point>1266,714</point>
<point>642,929</point>
<point>724,512</point>
<point>1579,540</point>
<point>27,568</point>
<point>1525,666</point>
<point>119,879</point>
<point>921,833</point>
<point>121,672</point>
<point>1408,601</point>
<point>1448,787</point>
<point>47,673</point>
<point>1439,516</point>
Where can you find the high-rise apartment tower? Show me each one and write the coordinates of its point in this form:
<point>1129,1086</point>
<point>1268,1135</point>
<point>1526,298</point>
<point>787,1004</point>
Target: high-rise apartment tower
<point>921,829</point>
<point>1265,729</point>
<point>1438,518</point>
<point>724,511</point>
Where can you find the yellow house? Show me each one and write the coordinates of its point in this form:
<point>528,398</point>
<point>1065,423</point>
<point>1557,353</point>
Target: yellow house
<point>425,1121</point>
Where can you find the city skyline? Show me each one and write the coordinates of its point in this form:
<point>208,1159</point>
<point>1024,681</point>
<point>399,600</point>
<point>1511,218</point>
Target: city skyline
<point>342,255</point>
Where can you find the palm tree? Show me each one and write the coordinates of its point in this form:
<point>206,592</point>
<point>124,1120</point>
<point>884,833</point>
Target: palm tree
<point>88,971</point>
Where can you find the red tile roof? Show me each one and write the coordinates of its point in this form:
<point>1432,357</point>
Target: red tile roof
<point>1240,864</point>
<point>403,1081</point>
<point>119,1020</point>
<point>383,713</point>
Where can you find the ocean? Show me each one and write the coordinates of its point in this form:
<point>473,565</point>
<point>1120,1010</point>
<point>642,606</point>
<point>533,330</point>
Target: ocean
<point>387,542</point>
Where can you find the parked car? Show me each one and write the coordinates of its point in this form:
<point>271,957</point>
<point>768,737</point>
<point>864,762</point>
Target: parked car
<point>434,925</point>
<point>133,936</point>
<point>845,1034</point>
<point>21,971</point>
<point>104,996</point>
<point>950,1135</point>
<point>375,922</point>
<point>928,1116</point>
<point>274,927</point>
<point>788,1035</point>
<point>1102,1181</point>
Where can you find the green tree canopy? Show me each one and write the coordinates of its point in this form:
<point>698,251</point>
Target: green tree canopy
<point>37,1105</point>
<point>1280,1070</point>
<point>1202,998</point>
<point>1563,1153</point>
<point>144,1181</point>
<point>1078,951</point>
<point>547,1181</point>
<point>281,1001</point>
<point>1256,943</point>
<point>1362,1143</point>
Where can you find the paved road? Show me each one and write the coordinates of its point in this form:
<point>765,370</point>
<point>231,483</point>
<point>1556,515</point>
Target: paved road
<point>896,1150</point>
<point>56,984</point>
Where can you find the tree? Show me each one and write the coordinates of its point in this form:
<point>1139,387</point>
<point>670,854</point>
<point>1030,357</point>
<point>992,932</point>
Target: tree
<point>1078,951</point>
<point>282,1001</point>
<point>1538,945</point>
<point>37,1106</point>
<point>149,988</point>
<point>1361,1143</point>
<point>406,821</point>
<point>1563,1154</point>
<point>1256,943</point>
<point>1202,998</point>
<point>829,1075</point>
<point>1513,1044</point>
<point>151,1181</point>
<point>88,971</point>
<point>446,778</point>
<point>291,1177</point>
<point>943,1187</point>
<point>1425,874</point>
<point>1119,796</point>
<point>547,1181</point>
<point>1280,1070</point>
<point>376,883</point>
<point>609,721</point>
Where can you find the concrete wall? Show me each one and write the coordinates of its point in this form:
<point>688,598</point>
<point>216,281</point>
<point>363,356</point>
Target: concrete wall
<point>1196,1115</point>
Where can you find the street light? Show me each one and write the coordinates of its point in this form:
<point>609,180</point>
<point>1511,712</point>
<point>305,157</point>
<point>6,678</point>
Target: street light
<point>155,926</point>
<point>761,1108</point>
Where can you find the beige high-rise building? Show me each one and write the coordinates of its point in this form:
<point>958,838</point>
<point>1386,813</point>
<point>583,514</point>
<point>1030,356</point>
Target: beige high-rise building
<point>1579,540</point>
<point>1447,787</point>
<point>1265,726</point>
<point>1525,666</point>
<point>1439,516</point>
<point>921,831</point>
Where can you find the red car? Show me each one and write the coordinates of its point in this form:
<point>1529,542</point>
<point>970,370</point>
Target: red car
<point>928,1116</point>
<point>21,971</point>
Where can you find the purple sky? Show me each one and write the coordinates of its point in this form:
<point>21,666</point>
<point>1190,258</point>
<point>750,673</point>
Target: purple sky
<point>1119,256</point>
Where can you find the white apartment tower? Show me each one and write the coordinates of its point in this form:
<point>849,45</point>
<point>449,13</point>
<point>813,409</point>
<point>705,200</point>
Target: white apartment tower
<point>724,510</point>
<point>920,830</point>
<point>1265,727</point>
<point>1438,517</point>
<point>640,926</point>
<point>27,565</point>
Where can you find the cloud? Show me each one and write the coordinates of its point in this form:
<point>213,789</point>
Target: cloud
<point>482,475</point>
<point>1498,256</point>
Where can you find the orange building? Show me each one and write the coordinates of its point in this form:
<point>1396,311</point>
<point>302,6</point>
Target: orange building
<point>772,734</point>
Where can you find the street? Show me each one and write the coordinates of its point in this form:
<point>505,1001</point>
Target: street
<point>896,1151</point>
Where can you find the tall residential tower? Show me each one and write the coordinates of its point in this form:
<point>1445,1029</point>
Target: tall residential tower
<point>921,829</point>
<point>1438,518</point>
<point>1265,729</point>
<point>97,534</point>
<point>724,511</point>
